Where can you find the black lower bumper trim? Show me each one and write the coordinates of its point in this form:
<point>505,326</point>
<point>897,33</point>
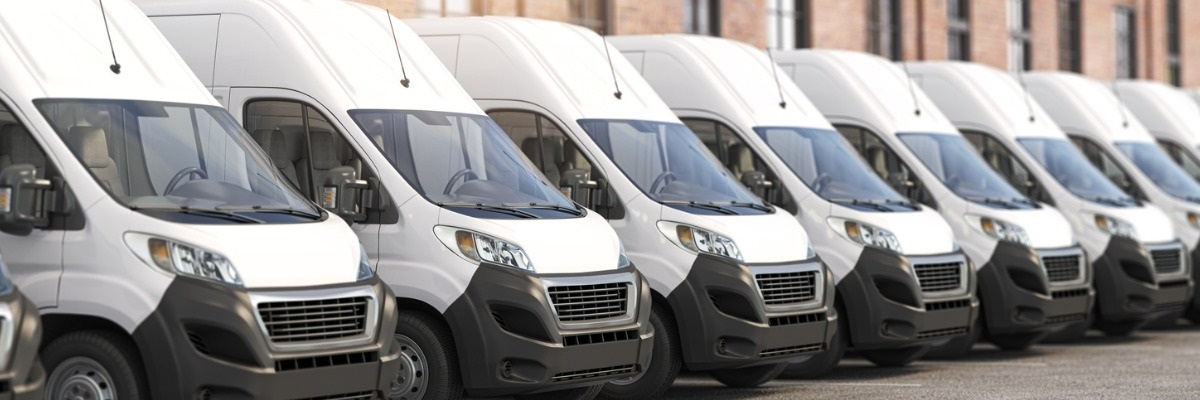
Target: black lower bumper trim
<point>1126,289</point>
<point>1018,297</point>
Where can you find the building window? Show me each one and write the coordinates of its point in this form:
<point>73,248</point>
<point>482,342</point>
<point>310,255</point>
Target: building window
<point>702,17</point>
<point>1173,43</point>
<point>958,17</point>
<point>788,24</point>
<point>1019,48</point>
<point>444,8</point>
<point>1069,39</point>
<point>1126,45</point>
<point>591,14</point>
<point>883,28</point>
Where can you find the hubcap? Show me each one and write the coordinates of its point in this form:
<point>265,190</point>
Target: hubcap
<point>80,378</point>
<point>412,381</point>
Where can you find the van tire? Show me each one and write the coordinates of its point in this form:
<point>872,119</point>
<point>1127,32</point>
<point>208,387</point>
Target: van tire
<point>441,376</point>
<point>665,362</point>
<point>583,393</point>
<point>827,360</point>
<point>749,377</point>
<point>1192,314</point>
<point>110,360</point>
<point>893,358</point>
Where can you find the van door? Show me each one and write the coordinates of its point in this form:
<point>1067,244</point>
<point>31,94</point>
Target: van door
<point>35,259</point>
<point>306,142</point>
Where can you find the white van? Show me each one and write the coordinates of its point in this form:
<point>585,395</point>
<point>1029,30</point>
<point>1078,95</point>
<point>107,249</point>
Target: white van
<point>787,153</point>
<point>1006,236</point>
<point>505,286</point>
<point>168,257</point>
<point>1116,143</point>
<point>737,289</point>
<point>21,374</point>
<point>1171,116</point>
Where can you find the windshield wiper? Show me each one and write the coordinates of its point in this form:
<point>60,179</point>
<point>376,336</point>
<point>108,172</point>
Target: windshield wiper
<point>290,211</point>
<point>756,206</point>
<point>219,214</point>
<point>1011,204</point>
<point>556,207</point>
<point>865,203</point>
<point>1117,201</point>
<point>905,203</point>
<point>490,207</point>
<point>706,206</point>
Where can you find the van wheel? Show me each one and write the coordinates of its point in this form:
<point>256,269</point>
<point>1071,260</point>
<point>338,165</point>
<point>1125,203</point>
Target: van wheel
<point>664,365</point>
<point>895,357</point>
<point>429,364</point>
<point>94,365</point>
<point>960,345</point>
<point>824,361</point>
<point>583,393</point>
<point>750,376</point>
<point>1193,314</point>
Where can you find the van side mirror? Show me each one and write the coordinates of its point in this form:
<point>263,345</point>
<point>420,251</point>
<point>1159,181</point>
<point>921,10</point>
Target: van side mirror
<point>342,192</point>
<point>578,186</point>
<point>757,182</point>
<point>23,199</point>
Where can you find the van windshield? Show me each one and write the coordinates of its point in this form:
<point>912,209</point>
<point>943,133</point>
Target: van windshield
<point>463,162</point>
<point>1157,165</point>
<point>959,167</point>
<point>830,167</point>
<point>181,162</point>
<point>1063,161</point>
<point>668,163</point>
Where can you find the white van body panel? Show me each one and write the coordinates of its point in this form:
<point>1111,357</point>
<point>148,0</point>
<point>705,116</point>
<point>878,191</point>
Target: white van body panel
<point>1167,112</point>
<point>1097,113</point>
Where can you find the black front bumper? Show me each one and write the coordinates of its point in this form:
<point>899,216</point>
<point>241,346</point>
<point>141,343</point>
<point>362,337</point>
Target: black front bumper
<point>887,309</point>
<point>724,322</point>
<point>24,379</point>
<point>205,339</point>
<point>1128,290</point>
<point>510,339</point>
<point>1018,297</point>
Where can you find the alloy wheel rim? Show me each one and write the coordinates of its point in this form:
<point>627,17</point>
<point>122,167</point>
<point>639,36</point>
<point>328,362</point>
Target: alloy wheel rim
<point>80,378</point>
<point>412,380</point>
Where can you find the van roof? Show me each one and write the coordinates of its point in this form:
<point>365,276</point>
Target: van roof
<point>547,63</point>
<point>1082,106</point>
<point>848,85</point>
<point>1167,112</point>
<point>290,43</point>
<point>720,75</point>
<point>988,98</point>
<point>59,49</point>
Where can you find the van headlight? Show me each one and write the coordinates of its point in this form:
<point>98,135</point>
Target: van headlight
<point>622,257</point>
<point>1112,226</point>
<point>1192,219</point>
<point>183,259</point>
<point>698,240</point>
<point>866,235</point>
<point>999,230</point>
<point>364,264</point>
<point>477,247</point>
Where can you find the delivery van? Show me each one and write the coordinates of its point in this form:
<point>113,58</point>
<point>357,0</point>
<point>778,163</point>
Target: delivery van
<point>1170,115</point>
<point>737,290</point>
<point>168,257</point>
<point>504,286</point>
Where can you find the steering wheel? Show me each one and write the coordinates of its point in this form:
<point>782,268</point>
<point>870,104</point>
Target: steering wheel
<point>465,173</point>
<point>822,180</point>
<point>184,173</point>
<point>661,180</point>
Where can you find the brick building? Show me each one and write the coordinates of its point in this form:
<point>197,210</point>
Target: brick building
<point>1105,39</point>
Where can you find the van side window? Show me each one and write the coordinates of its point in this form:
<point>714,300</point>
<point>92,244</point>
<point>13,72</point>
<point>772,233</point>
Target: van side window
<point>559,159</point>
<point>736,155</point>
<point>1108,166</point>
<point>17,147</point>
<point>1182,157</point>
<point>1007,165</point>
<point>886,163</point>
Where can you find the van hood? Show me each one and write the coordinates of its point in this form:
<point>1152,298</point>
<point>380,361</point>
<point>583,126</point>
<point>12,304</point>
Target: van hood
<point>1047,227</point>
<point>921,232</point>
<point>1151,223</point>
<point>270,255</point>
<point>767,238</point>
<point>555,246</point>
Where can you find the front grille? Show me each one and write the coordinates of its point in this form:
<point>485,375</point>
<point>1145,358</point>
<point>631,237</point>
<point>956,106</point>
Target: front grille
<point>796,319</point>
<point>947,305</point>
<point>597,338</point>
<point>790,350</point>
<point>594,373</point>
<point>939,277</point>
<point>314,320</point>
<point>331,360</point>
<point>578,303</point>
<point>1062,268</point>
<point>1058,319</point>
<point>942,332</point>
<point>787,288</point>
<point>1167,261</point>
<point>1062,294</point>
<point>345,396</point>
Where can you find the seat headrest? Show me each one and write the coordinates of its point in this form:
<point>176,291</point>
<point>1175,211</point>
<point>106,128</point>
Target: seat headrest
<point>273,143</point>
<point>90,144</point>
<point>20,147</point>
<point>324,150</point>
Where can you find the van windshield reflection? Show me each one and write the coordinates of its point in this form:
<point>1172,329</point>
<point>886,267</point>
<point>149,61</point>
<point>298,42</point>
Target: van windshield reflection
<point>955,164</point>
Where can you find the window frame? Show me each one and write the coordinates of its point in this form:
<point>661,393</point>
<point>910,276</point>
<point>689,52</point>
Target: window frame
<point>579,13</point>
<point>1020,42</point>
<point>1082,143</point>
<point>884,29</point>
<point>1070,36</point>
<point>798,16</point>
<point>958,26</point>
<point>1125,44</point>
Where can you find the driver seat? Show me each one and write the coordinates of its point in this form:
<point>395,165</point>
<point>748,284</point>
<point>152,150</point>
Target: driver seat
<point>91,146</point>
<point>275,145</point>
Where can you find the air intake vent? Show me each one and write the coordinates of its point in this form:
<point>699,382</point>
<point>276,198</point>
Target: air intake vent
<point>787,288</point>
<point>332,360</point>
<point>594,373</point>
<point>942,332</point>
<point>1058,319</point>
<point>947,305</point>
<point>581,303</point>
<point>790,350</point>
<point>797,319</point>
<point>1062,294</point>
<point>1167,261</point>
<point>1062,268</point>
<point>597,338</point>
<point>940,277</point>
<point>314,320</point>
